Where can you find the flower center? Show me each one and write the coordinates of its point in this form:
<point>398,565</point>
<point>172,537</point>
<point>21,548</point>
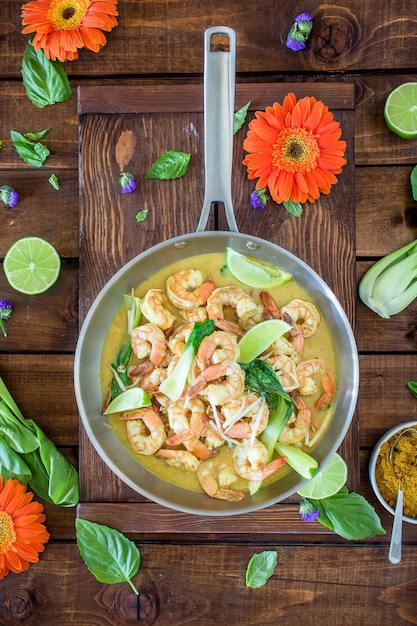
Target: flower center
<point>67,14</point>
<point>7,532</point>
<point>295,150</point>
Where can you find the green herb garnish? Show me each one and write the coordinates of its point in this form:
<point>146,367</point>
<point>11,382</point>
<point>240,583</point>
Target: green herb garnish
<point>260,568</point>
<point>46,82</point>
<point>171,164</point>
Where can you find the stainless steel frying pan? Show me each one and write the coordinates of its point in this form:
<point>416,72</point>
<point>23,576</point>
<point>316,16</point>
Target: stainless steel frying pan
<point>219,81</point>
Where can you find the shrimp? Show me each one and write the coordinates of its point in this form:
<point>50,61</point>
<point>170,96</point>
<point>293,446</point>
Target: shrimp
<point>216,478</point>
<point>280,347</point>
<point>219,391</point>
<point>152,379</point>
<point>187,418</point>
<point>245,417</point>
<point>195,315</point>
<point>251,461</point>
<point>146,340</point>
<point>154,308</point>
<point>186,289</point>
<point>305,372</point>
<point>299,424</point>
<point>235,297</point>
<point>217,347</point>
<point>180,459</point>
<point>285,369</point>
<point>145,430</point>
<point>304,318</point>
<point>177,341</point>
<point>271,309</point>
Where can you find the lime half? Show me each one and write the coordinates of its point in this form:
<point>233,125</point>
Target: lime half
<point>327,481</point>
<point>128,400</point>
<point>255,273</point>
<point>258,338</point>
<point>31,265</point>
<point>400,110</point>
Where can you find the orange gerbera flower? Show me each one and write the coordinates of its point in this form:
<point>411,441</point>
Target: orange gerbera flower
<point>64,26</point>
<point>22,533</point>
<point>294,149</point>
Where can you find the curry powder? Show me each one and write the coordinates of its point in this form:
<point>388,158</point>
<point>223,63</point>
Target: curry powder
<point>400,471</point>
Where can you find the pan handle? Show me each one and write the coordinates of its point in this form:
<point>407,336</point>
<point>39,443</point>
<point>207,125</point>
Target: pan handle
<point>219,92</point>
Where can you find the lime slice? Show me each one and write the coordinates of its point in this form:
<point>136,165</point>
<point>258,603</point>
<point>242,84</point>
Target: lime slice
<point>400,110</point>
<point>258,338</point>
<point>255,273</point>
<point>300,461</point>
<point>327,481</point>
<point>31,265</point>
<point>133,398</point>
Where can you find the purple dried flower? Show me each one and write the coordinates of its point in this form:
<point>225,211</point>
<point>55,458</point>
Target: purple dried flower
<point>308,511</point>
<point>294,45</point>
<point>304,17</point>
<point>127,182</point>
<point>5,312</point>
<point>259,198</point>
<point>9,196</point>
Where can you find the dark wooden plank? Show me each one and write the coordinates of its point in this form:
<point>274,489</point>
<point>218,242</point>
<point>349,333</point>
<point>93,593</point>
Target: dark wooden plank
<point>386,214</point>
<point>346,37</point>
<point>189,98</point>
<point>48,321</point>
<point>41,208</point>
<point>203,584</point>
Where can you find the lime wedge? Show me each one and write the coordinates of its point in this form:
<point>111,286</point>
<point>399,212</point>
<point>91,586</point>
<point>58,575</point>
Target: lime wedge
<point>300,461</point>
<point>327,481</point>
<point>254,273</point>
<point>31,265</point>
<point>133,398</point>
<point>400,110</point>
<point>258,338</point>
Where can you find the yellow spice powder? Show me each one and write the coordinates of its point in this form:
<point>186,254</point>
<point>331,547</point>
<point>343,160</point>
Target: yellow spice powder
<point>401,470</point>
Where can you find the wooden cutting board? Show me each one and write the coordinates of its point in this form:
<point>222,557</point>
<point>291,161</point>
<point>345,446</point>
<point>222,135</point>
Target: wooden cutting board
<point>126,129</point>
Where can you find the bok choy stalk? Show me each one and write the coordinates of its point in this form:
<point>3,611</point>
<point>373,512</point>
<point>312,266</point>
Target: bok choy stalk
<point>173,386</point>
<point>261,378</point>
<point>390,285</point>
<point>120,380</point>
<point>27,454</point>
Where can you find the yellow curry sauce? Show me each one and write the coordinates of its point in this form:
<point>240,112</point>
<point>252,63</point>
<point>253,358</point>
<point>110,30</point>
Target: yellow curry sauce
<point>319,346</point>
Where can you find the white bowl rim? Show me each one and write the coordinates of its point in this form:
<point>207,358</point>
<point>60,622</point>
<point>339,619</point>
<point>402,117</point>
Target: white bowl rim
<point>372,466</point>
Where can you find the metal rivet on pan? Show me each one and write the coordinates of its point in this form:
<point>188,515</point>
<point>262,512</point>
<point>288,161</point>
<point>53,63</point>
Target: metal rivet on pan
<point>253,246</point>
<point>180,245</point>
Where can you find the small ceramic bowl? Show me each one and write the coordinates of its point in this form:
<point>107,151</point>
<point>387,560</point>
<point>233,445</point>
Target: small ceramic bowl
<point>372,466</point>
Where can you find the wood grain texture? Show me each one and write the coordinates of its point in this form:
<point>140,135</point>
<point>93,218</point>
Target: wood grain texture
<point>183,585</point>
<point>166,37</point>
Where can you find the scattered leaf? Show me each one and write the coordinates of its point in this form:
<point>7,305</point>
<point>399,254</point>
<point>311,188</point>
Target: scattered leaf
<point>260,568</point>
<point>294,208</point>
<point>142,215</point>
<point>239,117</point>
<point>171,164</point>
<point>109,555</point>
<point>53,179</point>
<point>413,180</point>
<point>32,153</point>
<point>46,82</point>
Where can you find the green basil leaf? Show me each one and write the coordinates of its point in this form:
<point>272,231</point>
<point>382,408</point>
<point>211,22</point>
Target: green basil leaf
<point>294,208</point>
<point>260,568</point>
<point>413,180</point>
<point>63,488</point>
<point>349,515</point>
<point>46,82</point>
<point>30,152</point>
<point>37,136</point>
<point>171,164</point>
<point>12,465</point>
<point>412,386</point>
<point>239,117</point>
<point>53,179</point>
<point>109,555</point>
<point>142,215</point>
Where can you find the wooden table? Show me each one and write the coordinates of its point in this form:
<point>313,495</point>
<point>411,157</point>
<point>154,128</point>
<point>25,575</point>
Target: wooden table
<point>192,570</point>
